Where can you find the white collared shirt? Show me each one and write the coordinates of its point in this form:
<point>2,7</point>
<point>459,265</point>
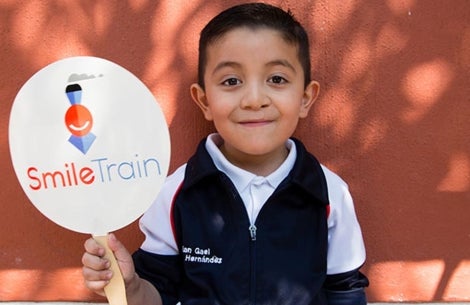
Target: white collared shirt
<point>254,190</point>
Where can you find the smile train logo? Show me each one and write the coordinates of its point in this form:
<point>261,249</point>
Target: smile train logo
<point>78,120</point>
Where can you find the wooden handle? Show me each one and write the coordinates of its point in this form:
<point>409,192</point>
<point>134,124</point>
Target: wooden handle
<point>115,290</point>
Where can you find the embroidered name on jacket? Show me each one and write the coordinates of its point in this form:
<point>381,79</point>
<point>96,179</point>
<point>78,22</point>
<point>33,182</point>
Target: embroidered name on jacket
<point>198,255</point>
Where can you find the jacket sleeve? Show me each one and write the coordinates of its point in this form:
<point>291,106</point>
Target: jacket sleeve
<point>158,259</point>
<point>344,284</point>
<point>352,297</point>
<point>346,288</point>
<point>346,249</point>
<point>162,271</point>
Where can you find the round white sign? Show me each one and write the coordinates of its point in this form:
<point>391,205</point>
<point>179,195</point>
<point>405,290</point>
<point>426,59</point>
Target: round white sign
<point>89,144</point>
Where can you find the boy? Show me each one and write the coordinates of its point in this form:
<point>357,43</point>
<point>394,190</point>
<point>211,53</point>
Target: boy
<point>252,218</point>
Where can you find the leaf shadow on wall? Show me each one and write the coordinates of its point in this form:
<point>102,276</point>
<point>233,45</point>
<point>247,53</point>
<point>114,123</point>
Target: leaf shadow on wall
<point>392,118</point>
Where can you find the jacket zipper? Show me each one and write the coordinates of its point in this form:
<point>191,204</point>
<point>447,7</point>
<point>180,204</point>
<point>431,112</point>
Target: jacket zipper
<point>252,229</point>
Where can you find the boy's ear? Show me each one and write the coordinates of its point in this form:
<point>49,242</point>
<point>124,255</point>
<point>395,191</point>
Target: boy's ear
<point>199,97</point>
<point>311,93</point>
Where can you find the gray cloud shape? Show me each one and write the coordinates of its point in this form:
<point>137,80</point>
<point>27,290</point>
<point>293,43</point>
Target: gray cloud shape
<point>78,77</point>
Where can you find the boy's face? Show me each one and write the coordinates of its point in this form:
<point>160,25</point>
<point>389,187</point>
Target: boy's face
<point>254,91</point>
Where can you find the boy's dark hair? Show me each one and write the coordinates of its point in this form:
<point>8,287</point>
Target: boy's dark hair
<point>255,16</point>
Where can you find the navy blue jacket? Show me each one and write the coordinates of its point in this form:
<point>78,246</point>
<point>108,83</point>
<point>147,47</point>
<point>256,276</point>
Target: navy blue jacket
<point>221,261</point>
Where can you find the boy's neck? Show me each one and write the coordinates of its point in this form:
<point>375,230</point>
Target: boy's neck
<point>260,165</point>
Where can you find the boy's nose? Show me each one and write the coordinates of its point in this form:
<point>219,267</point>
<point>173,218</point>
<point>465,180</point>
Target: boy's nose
<point>255,97</point>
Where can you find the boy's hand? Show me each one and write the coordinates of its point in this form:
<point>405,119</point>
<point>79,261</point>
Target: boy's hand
<point>96,272</point>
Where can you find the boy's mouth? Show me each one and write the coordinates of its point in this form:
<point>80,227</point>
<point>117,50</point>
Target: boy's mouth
<point>255,122</point>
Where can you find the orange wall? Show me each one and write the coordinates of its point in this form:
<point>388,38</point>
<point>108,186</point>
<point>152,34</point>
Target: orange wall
<point>392,119</point>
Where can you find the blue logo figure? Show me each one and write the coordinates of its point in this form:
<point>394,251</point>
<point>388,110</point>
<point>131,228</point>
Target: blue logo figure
<point>78,120</point>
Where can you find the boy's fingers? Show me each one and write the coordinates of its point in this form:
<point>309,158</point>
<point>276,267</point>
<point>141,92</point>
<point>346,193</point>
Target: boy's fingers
<point>91,275</point>
<point>95,262</point>
<point>92,247</point>
<point>96,280</point>
<point>96,273</point>
<point>97,286</point>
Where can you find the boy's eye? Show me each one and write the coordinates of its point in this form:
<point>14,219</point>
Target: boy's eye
<point>276,79</point>
<point>231,82</point>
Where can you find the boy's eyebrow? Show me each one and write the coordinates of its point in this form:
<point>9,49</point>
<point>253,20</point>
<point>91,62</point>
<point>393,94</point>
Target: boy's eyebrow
<point>223,64</point>
<point>233,64</point>
<point>281,62</point>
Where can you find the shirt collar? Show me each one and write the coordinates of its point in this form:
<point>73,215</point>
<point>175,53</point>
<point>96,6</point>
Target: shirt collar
<point>242,178</point>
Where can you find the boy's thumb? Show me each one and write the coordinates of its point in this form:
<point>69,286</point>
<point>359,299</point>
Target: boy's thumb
<point>120,252</point>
